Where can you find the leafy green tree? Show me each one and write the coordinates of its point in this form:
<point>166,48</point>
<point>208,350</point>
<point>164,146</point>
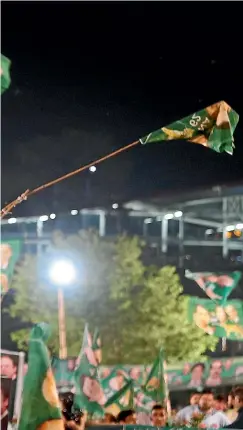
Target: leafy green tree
<point>137,309</point>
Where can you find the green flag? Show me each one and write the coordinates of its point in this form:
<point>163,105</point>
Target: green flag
<point>10,252</point>
<point>96,346</point>
<point>217,286</point>
<point>212,127</point>
<point>40,407</point>
<point>5,74</point>
<point>89,394</point>
<point>155,386</point>
<point>221,321</point>
<point>122,400</point>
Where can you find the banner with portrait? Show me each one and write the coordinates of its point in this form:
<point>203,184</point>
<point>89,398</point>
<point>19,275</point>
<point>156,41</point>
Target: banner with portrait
<point>10,253</point>
<point>12,369</point>
<point>184,376</point>
<point>220,321</point>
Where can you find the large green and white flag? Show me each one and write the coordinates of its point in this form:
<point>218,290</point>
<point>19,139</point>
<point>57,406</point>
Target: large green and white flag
<point>5,73</point>
<point>40,408</point>
<point>217,286</point>
<point>89,394</point>
<point>212,127</point>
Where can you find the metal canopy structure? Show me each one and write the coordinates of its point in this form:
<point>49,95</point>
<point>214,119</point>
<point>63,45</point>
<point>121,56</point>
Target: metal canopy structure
<point>215,210</point>
<point>220,208</point>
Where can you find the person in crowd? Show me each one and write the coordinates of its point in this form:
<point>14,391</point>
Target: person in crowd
<point>194,398</point>
<point>8,367</point>
<point>220,403</point>
<point>109,419</point>
<point>205,408</point>
<point>4,407</point>
<point>211,417</point>
<point>184,415</point>
<point>127,417</point>
<point>158,416</point>
<point>238,404</point>
<point>197,372</point>
<point>72,420</point>
<point>232,412</point>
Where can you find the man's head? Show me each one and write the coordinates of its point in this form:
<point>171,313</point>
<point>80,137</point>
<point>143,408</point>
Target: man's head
<point>206,400</point>
<point>194,398</point>
<point>135,373</point>
<point>4,399</point>
<point>127,417</point>
<point>238,397</point>
<point>71,365</point>
<point>220,403</point>
<point>216,369</point>
<point>158,416</point>
<point>109,419</point>
<point>231,399</point>
<point>197,371</point>
<point>8,367</point>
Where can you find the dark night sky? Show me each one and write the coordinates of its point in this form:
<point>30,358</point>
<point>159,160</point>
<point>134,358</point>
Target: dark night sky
<point>90,77</point>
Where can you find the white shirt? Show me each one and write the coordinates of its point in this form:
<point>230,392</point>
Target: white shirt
<point>185,414</point>
<point>215,419</point>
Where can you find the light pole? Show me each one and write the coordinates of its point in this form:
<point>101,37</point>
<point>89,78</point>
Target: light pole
<point>62,275</point>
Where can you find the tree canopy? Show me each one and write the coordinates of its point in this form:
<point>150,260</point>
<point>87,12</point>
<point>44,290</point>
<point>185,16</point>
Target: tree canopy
<point>137,308</point>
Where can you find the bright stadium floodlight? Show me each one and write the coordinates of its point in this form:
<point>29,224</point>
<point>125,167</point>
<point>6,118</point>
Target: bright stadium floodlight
<point>62,273</point>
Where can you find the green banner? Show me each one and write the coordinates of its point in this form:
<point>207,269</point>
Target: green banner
<point>220,321</point>
<point>10,253</point>
<point>184,376</point>
<point>140,427</point>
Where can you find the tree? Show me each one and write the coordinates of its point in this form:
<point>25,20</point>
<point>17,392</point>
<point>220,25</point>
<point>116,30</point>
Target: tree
<point>137,309</point>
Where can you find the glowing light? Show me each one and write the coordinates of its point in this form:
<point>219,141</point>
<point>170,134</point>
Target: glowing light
<point>178,214</point>
<point>169,216</point>
<point>230,228</point>
<point>74,212</point>
<point>239,226</point>
<point>92,169</point>
<point>53,216</point>
<point>62,273</point>
<point>43,218</point>
<point>12,220</point>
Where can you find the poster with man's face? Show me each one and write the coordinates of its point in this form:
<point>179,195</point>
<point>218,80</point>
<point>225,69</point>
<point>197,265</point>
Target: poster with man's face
<point>5,401</point>
<point>9,255</point>
<point>12,369</point>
